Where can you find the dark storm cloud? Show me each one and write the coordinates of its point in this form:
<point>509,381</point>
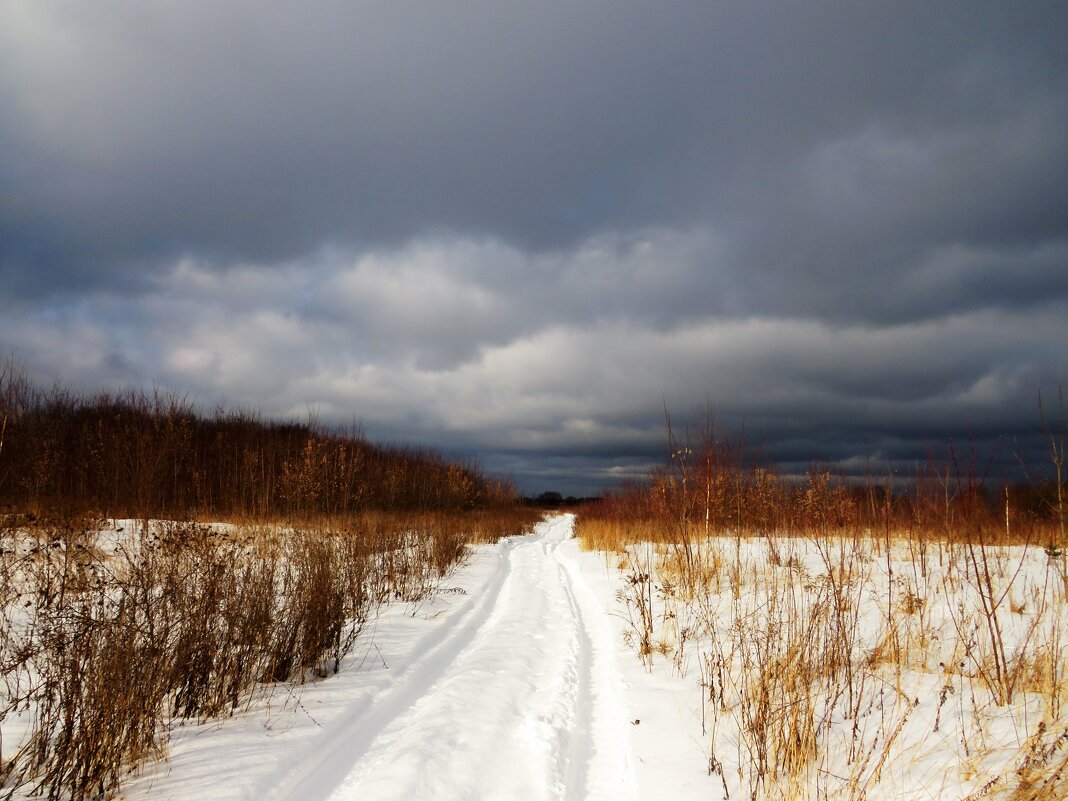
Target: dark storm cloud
<point>259,133</point>
<point>521,228</point>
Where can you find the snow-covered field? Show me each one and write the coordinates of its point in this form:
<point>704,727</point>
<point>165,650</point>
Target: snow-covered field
<point>527,675</point>
<point>837,667</point>
<point>513,682</point>
<point>506,685</point>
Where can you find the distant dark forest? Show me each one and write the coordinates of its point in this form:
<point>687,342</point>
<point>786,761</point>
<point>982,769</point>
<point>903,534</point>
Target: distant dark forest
<point>140,454</point>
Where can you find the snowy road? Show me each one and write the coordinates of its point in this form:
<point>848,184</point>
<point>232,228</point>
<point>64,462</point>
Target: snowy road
<point>518,698</point>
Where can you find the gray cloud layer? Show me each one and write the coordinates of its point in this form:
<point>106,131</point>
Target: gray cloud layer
<point>519,228</point>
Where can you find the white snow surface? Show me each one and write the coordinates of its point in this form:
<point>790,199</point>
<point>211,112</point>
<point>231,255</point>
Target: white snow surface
<point>508,684</point>
<point>516,681</point>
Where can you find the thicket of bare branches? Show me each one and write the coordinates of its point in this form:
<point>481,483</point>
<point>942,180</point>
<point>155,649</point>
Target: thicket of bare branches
<point>153,455</point>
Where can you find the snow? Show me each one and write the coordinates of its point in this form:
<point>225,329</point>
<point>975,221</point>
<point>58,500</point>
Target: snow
<point>927,728</point>
<point>519,679</point>
<point>507,690</point>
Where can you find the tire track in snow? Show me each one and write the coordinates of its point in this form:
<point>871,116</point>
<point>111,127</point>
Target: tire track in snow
<point>609,769</point>
<point>521,701</point>
<point>578,746</point>
<point>346,741</point>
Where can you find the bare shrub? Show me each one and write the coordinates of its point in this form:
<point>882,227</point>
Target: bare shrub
<point>102,647</point>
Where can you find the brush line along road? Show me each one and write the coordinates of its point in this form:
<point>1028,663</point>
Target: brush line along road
<point>518,698</point>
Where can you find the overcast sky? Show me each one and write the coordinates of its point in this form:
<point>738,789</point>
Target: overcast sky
<point>519,229</point>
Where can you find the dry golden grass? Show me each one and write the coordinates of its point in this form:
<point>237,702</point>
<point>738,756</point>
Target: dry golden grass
<point>104,643</point>
<point>812,641</point>
<point>155,455</point>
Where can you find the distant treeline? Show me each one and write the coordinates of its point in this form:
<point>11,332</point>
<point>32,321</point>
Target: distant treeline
<point>713,484</point>
<point>554,500</point>
<point>151,454</point>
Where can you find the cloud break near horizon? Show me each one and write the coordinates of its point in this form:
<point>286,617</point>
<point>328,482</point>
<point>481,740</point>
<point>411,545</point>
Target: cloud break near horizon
<point>519,230</point>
